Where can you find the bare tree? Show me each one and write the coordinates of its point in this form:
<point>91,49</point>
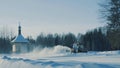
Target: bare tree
<point>6,32</point>
<point>111,13</point>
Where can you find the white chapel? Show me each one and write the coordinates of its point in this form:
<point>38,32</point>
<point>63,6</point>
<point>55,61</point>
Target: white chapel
<point>20,44</point>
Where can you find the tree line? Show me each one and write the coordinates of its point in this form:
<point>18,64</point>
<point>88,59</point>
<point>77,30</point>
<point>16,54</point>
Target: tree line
<point>94,40</point>
<point>51,40</point>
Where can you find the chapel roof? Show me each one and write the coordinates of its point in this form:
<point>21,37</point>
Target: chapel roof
<point>20,38</point>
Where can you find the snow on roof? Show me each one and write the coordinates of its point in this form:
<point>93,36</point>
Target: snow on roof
<point>20,39</point>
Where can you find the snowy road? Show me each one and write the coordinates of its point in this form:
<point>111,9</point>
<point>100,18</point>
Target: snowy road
<point>69,61</point>
<point>110,59</point>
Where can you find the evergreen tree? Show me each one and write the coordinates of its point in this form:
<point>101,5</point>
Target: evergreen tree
<point>69,39</point>
<point>58,40</point>
<point>96,41</point>
<point>5,45</point>
<point>50,40</point>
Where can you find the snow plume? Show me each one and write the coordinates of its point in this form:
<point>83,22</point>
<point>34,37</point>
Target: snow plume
<point>49,52</point>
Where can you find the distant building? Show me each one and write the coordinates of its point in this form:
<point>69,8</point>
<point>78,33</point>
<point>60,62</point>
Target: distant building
<point>20,44</point>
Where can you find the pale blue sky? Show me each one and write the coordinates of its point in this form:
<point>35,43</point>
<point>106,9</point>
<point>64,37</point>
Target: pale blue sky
<point>50,16</point>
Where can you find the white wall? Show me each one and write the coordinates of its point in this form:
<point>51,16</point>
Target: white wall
<point>20,48</point>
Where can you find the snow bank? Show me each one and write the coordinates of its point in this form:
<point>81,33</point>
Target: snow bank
<point>109,52</point>
<point>56,62</point>
<point>103,52</point>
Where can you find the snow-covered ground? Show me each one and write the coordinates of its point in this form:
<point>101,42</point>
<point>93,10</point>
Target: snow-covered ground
<point>57,57</point>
